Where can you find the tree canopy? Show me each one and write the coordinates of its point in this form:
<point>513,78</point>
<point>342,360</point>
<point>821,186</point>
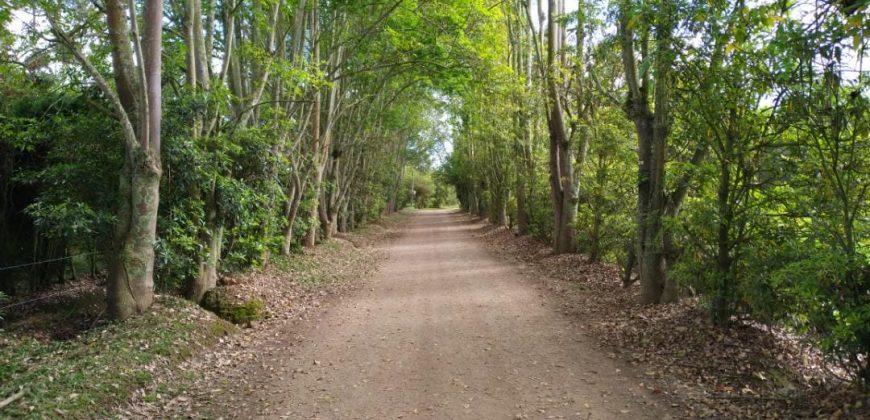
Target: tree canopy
<point>714,149</point>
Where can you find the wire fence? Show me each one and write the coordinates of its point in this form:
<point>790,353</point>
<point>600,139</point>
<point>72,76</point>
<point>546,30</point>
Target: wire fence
<point>30,264</point>
<point>24,302</point>
<point>34,263</point>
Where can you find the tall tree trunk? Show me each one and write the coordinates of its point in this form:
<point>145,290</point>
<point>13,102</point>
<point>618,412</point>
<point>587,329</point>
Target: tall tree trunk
<point>329,209</point>
<point>130,288</point>
<point>393,206</point>
<point>211,233</point>
<point>318,168</point>
<point>343,217</point>
<point>499,210</point>
<point>211,240</point>
<point>522,40</point>
<point>723,300</point>
<point>563,191</point>
<point>292,211</point>
<point>653,129</point>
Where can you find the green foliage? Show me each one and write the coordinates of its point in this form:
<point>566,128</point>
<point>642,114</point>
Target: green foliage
<point>53,140</point>
<point>606,215</point>
<point>768,135</point>
<point>773,229</point>
<point>418,189</point>
<point>445,193</point>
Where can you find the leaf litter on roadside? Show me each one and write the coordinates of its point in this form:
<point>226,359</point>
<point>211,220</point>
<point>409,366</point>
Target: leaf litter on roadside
<point>745,370</point>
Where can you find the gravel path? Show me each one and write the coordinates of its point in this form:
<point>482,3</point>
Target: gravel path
<point>444,330</point>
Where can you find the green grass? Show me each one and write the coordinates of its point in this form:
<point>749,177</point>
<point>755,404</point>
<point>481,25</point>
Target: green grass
<point>311,270</point>
<point>383,223</point>
<point>81,377</point>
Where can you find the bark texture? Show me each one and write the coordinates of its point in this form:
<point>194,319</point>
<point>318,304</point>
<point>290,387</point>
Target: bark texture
<point>563,188</point>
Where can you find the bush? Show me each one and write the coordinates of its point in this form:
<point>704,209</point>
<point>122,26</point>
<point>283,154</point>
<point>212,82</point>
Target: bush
<point>827,297</point>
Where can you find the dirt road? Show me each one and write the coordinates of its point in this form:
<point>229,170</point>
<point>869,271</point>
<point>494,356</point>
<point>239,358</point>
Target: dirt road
<point>444,330</point>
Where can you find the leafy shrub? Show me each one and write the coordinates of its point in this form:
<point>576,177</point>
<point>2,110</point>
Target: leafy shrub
<point>827,297</point>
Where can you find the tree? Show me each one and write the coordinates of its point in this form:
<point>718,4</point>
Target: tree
<point>563,187</point>
<point>649,104</point>
<point>136,100</point>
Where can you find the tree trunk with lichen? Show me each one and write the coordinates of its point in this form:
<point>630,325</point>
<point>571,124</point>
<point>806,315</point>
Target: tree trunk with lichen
<point>130,288</point>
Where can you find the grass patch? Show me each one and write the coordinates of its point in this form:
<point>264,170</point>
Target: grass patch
<point>384,222</point>
<point>324,265</point>
<point>82,376</point>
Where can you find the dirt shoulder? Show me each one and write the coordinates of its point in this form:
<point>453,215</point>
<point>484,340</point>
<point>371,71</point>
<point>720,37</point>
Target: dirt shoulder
<point>741,371</point>
<point>293,290</point>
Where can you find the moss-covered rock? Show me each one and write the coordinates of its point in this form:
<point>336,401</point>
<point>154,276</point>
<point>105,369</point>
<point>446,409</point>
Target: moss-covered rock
<point>233,308</point>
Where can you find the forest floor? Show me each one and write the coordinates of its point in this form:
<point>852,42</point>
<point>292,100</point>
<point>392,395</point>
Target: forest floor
<point>444,329</point>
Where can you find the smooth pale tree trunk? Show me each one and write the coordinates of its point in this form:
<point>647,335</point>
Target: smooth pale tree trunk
<point>563,190</point>
<point>291,213</point>
<point>322,143</point>
<point>311,238</point>
<point>522,59</point>
<point>288,229</point>
<point>333,223</point>
<point>330,202</point>
<point>323,216</point>
<point>211,234</point>
<point>211,239</point>
<point>344,218</point>
<point>298,187</point>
